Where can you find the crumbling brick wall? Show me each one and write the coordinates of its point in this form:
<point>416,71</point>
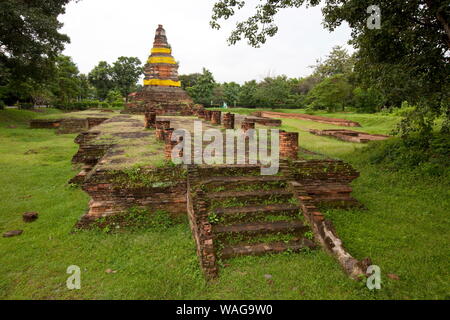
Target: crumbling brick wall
<point>44,124</point>
<point>326,181</point>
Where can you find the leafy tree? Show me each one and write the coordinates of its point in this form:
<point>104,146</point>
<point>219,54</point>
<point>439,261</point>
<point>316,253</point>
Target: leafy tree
<point>63,87</point>
<point>114,96</point>
<point>218,94</point>
<point>411,47</point>
<point>125,73</point>
<point>231,92</point>
<point>189,80</point>
<point>273,92</point>
<point>305,85</point>
<point>66,86</point>
<point>331,94</point>
<point>247,94</point>
<point>337,62</point>
<point>367,100</point>
<point>202,91</point>
<point>101,77</point>
<point>30,39</point>
<point>86,90</point>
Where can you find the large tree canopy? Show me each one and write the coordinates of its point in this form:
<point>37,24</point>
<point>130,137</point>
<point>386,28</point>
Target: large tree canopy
<point>407,58</point>
<point>101,77</point>
<point>202,91</point>
<point>426,14</point>
<point>125,74</point>
<point>30,38</point>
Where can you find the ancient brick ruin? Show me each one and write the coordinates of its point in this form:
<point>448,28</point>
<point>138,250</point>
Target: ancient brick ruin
<point>228,120</point>
<point>124,164</point>
<point>228,205</point>
<point>74,122</point>
<point>240,228</point>
<point>264,121</point>
<point>216,117</point>
<point>162,92</point>
<point>150,120</point>
<point>108,155</point>
<point>45,123</point>
<point>349,135</point>
<point>289,145</point>
<point>247,125</point>
<point>301,116</point>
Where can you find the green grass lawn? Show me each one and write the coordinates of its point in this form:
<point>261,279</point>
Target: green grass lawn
<point>404,230</point>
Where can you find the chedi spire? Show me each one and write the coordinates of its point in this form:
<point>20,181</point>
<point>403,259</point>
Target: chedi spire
<point>162,92</point>
<point>161,68</point>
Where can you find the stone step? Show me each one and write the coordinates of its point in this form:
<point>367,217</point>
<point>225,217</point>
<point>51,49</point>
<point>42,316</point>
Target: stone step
<point>250,195</point>
<point>266,248</point>
<point>255,228</point>
<point>331,189</point>
<point>268,209</point>
<point>338,203</point>
<point>236,170</point>
<point>231,182</point>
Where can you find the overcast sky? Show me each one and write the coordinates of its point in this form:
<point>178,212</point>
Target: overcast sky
<point>107,29</point>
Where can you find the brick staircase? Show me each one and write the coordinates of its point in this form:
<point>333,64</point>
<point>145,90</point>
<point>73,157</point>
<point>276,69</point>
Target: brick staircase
<point>234,211</point>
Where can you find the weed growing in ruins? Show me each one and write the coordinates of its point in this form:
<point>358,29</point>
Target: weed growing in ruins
<point>275,199</point>
<point>228,203</point>
<point>135,218</point>
<point>262,216</point>
<point>217,189</point>
<point>244,239</point>
<point>161,219</point>
<point>309,235</point>
<point>265,186</point>
<point>213,218</point>
<point>140,177</point>
<point>73,185</point>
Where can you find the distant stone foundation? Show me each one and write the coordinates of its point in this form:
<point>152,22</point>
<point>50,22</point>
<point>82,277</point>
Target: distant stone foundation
<point>349,135</point>
<point>44,124</point>
<point>228,120</point>
<point>69,125</point>
<point>334,121</point>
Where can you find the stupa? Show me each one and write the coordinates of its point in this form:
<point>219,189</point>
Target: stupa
<point>162,90</point>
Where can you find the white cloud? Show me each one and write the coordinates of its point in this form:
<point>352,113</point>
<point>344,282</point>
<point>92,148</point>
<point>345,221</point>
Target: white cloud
<point>104,30</point>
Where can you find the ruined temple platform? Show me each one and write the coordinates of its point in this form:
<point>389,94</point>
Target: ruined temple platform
<point>122,165</point>
<point>233,210</point>
<point>73,122</point>
<point>301,116</point>
<point>349,135</point>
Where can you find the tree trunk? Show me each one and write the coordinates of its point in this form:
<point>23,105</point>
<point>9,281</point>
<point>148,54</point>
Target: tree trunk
<point>442,19</point>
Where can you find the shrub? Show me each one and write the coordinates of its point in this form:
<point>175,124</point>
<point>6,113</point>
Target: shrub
<point>405,110</point>
<point>104,105</point>
<point>80,105</point>
<point>114,96</point>
<point>118,105</point>
<point>26,105</point>
<point>91,103</point>
<point>331,94</point>
<point>428,155</point>
<point>367,100</point>
<point>2,105</point>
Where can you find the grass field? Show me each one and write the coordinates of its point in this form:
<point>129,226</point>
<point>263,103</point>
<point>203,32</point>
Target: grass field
<point>404,230</point>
